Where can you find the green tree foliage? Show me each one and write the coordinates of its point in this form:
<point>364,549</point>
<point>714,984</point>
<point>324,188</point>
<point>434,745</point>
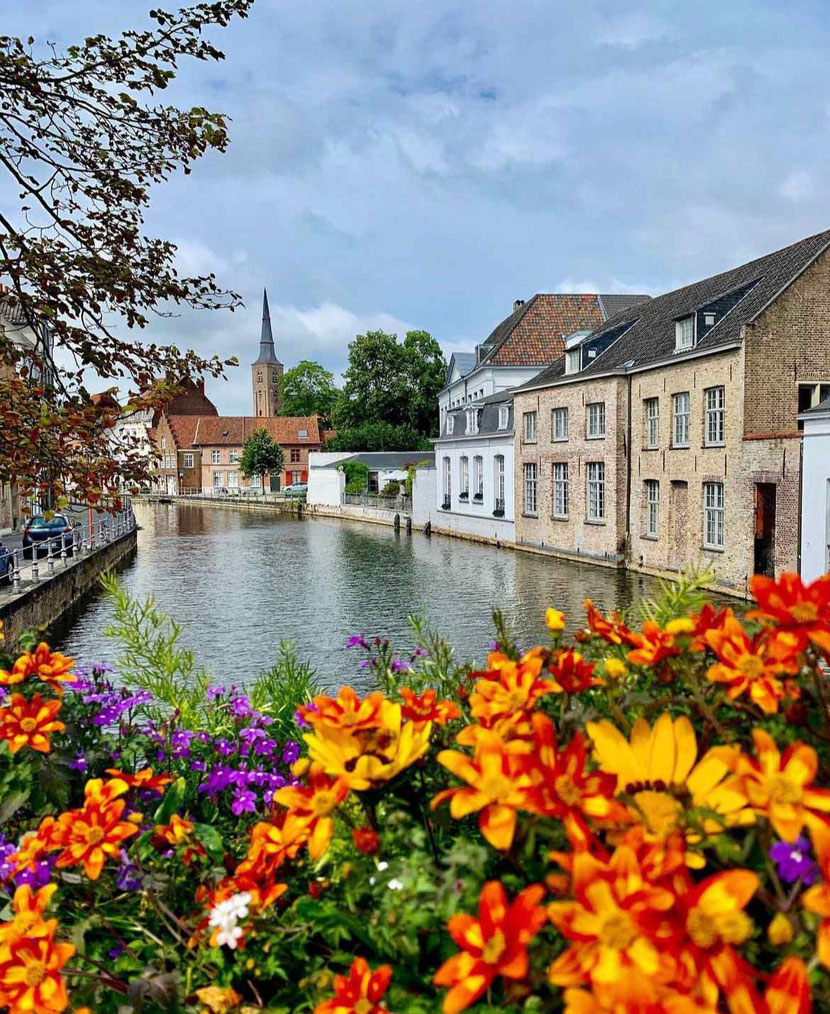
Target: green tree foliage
<point>308,389</point>
<point>84,139</point>
<point>261,454</point>
<point>393,382</point>
<point>357,476</point>
<point>377,436</point>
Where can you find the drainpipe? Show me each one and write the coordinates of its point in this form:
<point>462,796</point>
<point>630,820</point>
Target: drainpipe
<point>628,458</point>
<point>800,506</point>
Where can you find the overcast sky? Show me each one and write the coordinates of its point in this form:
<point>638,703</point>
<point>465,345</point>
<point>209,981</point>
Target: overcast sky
<point>422,164</point>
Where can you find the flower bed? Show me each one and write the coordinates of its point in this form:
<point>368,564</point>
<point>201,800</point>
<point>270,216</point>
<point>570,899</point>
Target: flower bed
<point>636,822</point>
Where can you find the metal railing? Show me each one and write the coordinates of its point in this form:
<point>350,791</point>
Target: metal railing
<point>390,503</point>
<point>228,493</point>
<point>39,561</point>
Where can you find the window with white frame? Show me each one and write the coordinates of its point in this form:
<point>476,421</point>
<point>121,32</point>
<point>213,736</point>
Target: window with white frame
<point>504,415</point>
<point>680,437</point>
<point>256,481</point>
<point>188,460</point>
<point>233,457</point>
<point>447,480</point>
<point>233,480</point>
<point>464,491</point>
<point>498,476</point>
<point>713,515</point>
<point>217,479</point>
<point>652,508</point>
<point>596,419</point>
<point>215,457</point>
<point>472,420</point>
<point>596,490</point>
<point>652,406</point>
<point>560,489</point>
<point>573,360</point>
<point>530,427</point>
<point>164,443</point>
<point>531,479</point>
<point>684,333</point>
<point>715,399</point>
<point>559,424</point>
<point>478,477</point>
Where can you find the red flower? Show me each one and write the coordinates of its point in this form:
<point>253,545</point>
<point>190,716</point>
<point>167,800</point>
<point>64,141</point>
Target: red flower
<point>144,779</point>
<point>50,666</point>
<point>425,708</point>
<point>494,944</point>
<point>359,992</point>
<point>366,840</point>
<point>788,603</point>
<point>572,673</point>
<point>614,631</point>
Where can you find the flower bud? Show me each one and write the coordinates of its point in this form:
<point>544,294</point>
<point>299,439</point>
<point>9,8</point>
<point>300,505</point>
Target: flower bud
<point>366,840</point>
<point>614,668</point>
<point>780,930</point>
<point>554,620</point>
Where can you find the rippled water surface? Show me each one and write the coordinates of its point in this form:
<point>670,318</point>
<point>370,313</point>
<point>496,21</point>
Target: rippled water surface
<point>240,582</point>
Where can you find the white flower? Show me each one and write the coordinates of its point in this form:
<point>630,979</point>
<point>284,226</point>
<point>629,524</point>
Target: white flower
<point>226,914</point>
<point>395,884</point>
<point>229,937</point>
<point>383,866</point>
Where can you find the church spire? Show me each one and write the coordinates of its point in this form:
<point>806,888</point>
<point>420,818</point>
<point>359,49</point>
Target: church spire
<point>267,353</point>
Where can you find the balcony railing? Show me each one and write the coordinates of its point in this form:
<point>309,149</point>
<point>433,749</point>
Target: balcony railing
<point>390,503</point>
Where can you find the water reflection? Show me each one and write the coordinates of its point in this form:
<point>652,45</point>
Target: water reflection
<point>240,582</point>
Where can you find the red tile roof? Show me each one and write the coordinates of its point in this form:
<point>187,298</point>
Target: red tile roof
<point>535,332</point>
<point>183,428</point>
<point>234,430</point>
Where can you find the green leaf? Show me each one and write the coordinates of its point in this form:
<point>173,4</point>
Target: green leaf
<point>173,799</point>
<point>12,803</point>
<point>211,839</point>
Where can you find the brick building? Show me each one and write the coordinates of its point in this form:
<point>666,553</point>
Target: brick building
<point>670,434</point>
<point>170,433</point>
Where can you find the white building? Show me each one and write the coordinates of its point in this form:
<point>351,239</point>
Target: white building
<point>815,491</point>
<point>327,477</point>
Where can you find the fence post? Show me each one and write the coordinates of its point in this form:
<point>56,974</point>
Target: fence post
<point>50,554</point>
<point>35,568</point>
<point>16,569</point>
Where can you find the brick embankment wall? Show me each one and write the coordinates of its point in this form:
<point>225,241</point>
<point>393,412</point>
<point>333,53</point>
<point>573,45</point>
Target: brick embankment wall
<point>42,603</point>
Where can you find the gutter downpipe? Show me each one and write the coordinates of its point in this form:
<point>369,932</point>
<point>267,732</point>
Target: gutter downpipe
<point>628,457</point>
<point>800,502</point>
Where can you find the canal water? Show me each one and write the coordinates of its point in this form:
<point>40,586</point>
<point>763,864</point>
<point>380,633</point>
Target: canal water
<point>240,582</point>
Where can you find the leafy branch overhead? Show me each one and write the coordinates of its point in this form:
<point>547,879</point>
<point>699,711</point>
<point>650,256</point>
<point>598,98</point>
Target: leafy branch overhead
<point>83,139</point>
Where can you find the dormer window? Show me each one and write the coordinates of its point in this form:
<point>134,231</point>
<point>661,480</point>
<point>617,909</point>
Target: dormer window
<point>302,433</point>
<point>450,423</point>
<point>504,413</point>
<point>572,360</point>
<point>684,334</point>
<point>708,319</point>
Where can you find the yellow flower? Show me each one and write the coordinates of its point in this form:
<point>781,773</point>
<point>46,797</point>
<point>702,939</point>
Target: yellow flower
<point>780,930</point>
<point>659,769</point>
<point>554,620</point>
<point>219,999</point>
<point>614,668</point>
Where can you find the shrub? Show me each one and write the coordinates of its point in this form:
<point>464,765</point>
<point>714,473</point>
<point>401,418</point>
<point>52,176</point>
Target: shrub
<point>635,821</point>
<point>392,488</point>
<point>357,476</point>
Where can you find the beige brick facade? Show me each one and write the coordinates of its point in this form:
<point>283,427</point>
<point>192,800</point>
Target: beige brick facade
<point>723,487</point>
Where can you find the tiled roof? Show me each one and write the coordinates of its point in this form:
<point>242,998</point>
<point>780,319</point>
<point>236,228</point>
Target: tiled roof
<point>183,428</point>
<point>650,338</point>
<point>535,332</point>
<point>235,430</point>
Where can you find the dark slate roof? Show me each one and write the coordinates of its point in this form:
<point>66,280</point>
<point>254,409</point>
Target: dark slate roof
<point>465,361</point>
<point>535,331</point>
<point>822,408</point>
<point>267,353</point>
<point>488,423</point>
<point>389,459</point>
<point>742,294</point>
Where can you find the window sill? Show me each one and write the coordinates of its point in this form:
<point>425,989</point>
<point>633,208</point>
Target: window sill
<point>595,436</point>
<point>680,447</point>
<point>560,517</point>
<point>720,443</point>
<point>559,440</point>
<point>530,441</point>
<point>595,521</point>
<point>526,515</point>
<point>650,538</point>
<point>713,549</point>
<point>464,496</point>
<point>654,447</point>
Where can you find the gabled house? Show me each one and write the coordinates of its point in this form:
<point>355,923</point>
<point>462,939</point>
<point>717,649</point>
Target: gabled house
<point>670,434</point>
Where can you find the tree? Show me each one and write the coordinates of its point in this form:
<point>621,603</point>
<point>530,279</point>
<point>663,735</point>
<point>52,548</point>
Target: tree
<point>308,389</point>
<point>392,382</point>
<point>83,139</point>
<point>378,436</point>
<point>261,454</point>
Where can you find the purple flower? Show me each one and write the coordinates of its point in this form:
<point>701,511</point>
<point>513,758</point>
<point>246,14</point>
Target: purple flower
<point>127,877</point>
<point>290,752</point>
<point>266,747</point>
<point>357,641</point>
<point>241,706</point>
<point>80,763</point>
<point>398,666</point>
<point>118,950</point>
<point>301,722</point>
<point>214,692</point>
<point>37,878</point>
<point>223,747</point>
<point>244,801</point>
<point>198,764</point>
<point>218,780</point>
<point>794,861</point>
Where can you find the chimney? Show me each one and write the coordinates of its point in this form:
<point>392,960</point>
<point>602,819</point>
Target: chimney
<point>518,304</point>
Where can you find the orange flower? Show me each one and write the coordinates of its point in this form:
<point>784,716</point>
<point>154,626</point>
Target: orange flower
<point>425,708</point>
<point>751,664</point>
<point>176,832</point>
<point>780,786</point>
<point>656,644</point>
<point>495,787</point>
<point>789,989</point>
<point>51,667</point>
<point>790,605</point>
<point>312,805</point>
<point>34,846</point>
<point>366,840</point>
<point>91,834</point>
<point>572,674</point>
<point>613,631</point>
<point>493,944</point>
<point>144,779</point>
<point>30,976</point>
<point>817,898</point>
<point>561,788</point>
<point>359,992</point>
<point>346,711</point>
<point>509,687</point>
<point>271,844</point>
<point>707,619</point>
<point>28,922</point>
<point>26,723</point>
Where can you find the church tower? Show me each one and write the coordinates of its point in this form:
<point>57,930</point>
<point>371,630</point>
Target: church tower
<point>266,371</point>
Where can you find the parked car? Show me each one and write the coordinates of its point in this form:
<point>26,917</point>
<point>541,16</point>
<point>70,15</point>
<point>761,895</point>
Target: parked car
<point>5,564</point>
<point>39,530</point>
<point>296,489</point>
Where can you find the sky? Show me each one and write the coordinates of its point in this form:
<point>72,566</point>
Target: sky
<point>406,165</point>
